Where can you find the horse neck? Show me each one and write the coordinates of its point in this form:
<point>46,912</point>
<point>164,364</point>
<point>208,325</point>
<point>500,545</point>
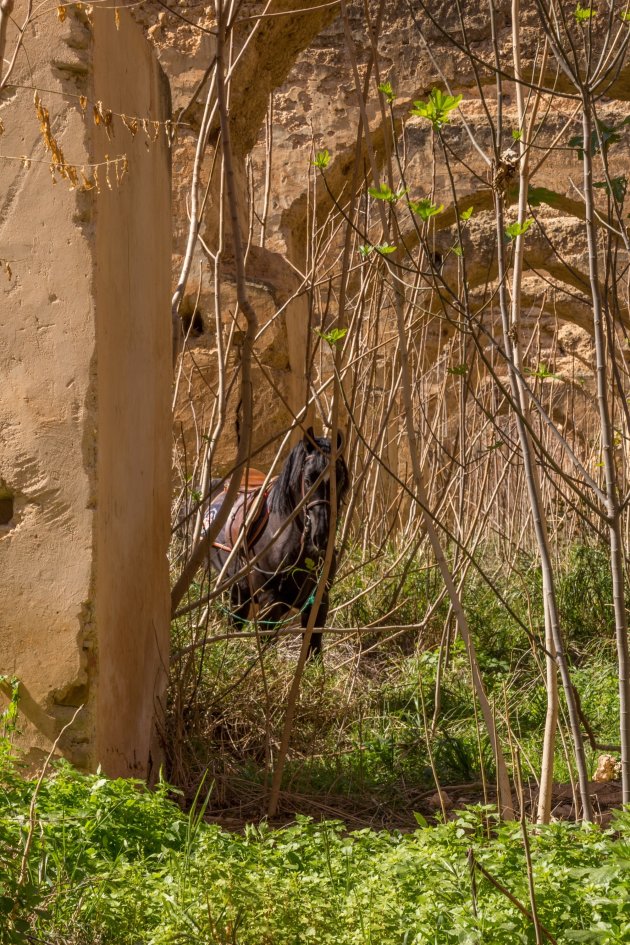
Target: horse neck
<point>292,502</point>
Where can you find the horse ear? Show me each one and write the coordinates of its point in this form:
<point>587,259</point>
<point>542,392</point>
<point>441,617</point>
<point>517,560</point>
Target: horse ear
<point>309,439</point>
<point>340,441</point>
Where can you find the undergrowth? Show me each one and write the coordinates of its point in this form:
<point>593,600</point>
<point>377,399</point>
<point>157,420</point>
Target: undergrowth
<point>84,859</point>
<point>367,717</point>
<point>114,864</point>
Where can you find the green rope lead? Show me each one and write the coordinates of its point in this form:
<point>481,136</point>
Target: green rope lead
<point>310,600</point>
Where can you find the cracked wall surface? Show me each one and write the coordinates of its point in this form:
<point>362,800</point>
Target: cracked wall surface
<point>301,65</point>
<point>84,407</point>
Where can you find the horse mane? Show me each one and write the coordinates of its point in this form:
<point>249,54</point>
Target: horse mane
<point>289,482</point>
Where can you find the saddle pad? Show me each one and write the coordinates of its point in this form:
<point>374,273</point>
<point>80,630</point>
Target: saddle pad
<point>232,527</point>
<point>212,512</point>
<point>252,481</point>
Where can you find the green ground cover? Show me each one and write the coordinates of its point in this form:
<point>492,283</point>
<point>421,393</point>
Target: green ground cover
<point>360,733</point>
<point>89,860</point>
<point>112,863</point>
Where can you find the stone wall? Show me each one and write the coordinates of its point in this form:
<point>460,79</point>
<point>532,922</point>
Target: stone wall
<point>292,92</point>
<point>301,65</point>
<point>85,404</point>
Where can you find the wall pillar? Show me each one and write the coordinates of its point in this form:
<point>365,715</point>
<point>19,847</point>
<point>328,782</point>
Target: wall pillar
<point>85,401</point>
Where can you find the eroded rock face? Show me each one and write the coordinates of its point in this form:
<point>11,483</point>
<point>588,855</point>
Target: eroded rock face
<point>85,406</point>
<point>292,93</point>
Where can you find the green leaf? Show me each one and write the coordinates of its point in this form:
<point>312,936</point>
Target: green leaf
<point>518,229</point>
<point>619,186</point>
<point>424,208</point>
<point>384,249</point>
<point>583,14</point>
<point>542,372</point>
<point>385,88</point>
<point>384,192</point>
<point>460,370</point>
<point>577,142</point>
<point>322,159</point>
<point>516,134</point>
<point>458,250</point>
<point>420,820</point>
<point>608,134</point>
<point>625,16</point>
<point>587,935</point>
<point>465,215</point>
<point>437,108</point>
<point>332,337</point>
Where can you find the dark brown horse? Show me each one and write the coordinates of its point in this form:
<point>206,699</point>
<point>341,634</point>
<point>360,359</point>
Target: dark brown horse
<point>283,548</point>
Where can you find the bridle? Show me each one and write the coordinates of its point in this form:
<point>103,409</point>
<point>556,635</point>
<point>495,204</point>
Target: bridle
<point>306,528</point>
<point>307,523</point>
<point>311,505</point>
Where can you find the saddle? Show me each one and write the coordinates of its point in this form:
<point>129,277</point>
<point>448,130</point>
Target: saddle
<point>253,480</point>
<point>249,489</point>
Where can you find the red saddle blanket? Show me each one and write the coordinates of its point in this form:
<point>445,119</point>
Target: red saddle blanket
<point>248,497</point>
<point>252,481</point>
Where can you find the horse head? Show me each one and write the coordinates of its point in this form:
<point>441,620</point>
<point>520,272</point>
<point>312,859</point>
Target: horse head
<point>316,487</point>
<point>305,479</point>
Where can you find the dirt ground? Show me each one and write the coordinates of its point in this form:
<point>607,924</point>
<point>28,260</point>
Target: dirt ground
<point>605,797</point>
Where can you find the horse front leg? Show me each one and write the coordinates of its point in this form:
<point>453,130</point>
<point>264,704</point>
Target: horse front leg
<point>315,642</point>
<point>272,614</point>
<point>240,604</point>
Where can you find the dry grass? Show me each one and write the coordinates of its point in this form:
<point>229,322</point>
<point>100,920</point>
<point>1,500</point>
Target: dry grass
<point>227,707</point>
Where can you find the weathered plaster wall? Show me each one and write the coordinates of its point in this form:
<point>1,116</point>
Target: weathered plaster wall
<point>84,411</point>
<point>47,404</point>
<point>132,251</point>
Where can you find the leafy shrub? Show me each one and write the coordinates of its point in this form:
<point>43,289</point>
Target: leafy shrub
<point>114,864</point>
<point>359,730</point>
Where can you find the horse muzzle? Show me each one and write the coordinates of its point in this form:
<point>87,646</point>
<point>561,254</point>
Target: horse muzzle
<point>316,528</point>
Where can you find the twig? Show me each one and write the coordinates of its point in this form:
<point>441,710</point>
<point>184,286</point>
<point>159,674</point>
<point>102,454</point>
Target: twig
<point>31,813</point>
<point>508,895</point>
